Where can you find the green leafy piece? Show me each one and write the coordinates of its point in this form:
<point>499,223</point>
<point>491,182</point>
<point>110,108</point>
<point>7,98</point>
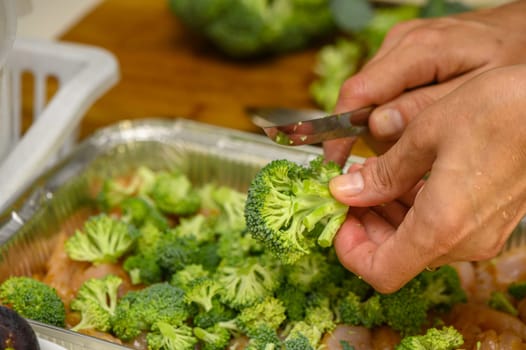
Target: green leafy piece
<point>33,299</point>
<point>501,302</point>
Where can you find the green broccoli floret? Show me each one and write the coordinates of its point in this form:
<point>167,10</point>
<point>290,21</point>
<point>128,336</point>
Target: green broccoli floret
<point>321,316</point>
<point>290,208</point>
<point>174,253</point>
<point>213,338</point>
<point>406,310</point>
<point>447,338</point>
<point>517,289</point>
<point>138,311</point>
<point>165,336</point>
<point>300,332</point>
<point>246,283</point>
<point>268,312</point>
<point>198,285</point>
<point>138,211</point>
<point>218,313</point>
<point>294,300</point>
<point>442,288</point>
<point>500,301</point>
<point>102,239</point>
<point>369,313</point>
<point>116,190</point>
<point>198,226</point>
<point>173,193</point>
<point>297,342</point>
<point>232,206</point>
<point>308,272</point>
<point>96,301</point>
<point>143,269</point>
<point>33,299</point>
<point>237,246</point>
<point>264,338</point>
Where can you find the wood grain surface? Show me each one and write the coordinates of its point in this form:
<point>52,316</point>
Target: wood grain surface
<point>168,72</point>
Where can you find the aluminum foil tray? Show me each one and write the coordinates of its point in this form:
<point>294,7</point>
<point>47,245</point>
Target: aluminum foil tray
<point>63,196</point>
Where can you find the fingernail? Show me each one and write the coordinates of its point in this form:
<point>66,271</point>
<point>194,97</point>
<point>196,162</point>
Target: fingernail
<point>389,122</point>
<point>348,185</point>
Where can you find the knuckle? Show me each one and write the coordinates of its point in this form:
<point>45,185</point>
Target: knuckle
<point>425,36</point>
<point>383,177</point>
<point>355,88</point>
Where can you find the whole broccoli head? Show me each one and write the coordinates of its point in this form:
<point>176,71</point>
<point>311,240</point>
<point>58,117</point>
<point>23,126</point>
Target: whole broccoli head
<point>446,338</point>
<point>96,301</point>
<point>33,299</point>
<point>290,208</point>
<point>102,239</point>
<point>166,336</point>
<point>246,28</point>
<point>138,311</point>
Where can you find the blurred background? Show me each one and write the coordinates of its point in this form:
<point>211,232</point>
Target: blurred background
<point>210,60</point>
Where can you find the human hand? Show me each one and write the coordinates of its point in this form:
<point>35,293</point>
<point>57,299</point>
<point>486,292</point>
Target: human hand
<point>420,61</point>
<point>472,142</point>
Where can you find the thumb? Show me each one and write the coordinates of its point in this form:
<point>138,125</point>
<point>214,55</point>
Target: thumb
<point>389,176</point>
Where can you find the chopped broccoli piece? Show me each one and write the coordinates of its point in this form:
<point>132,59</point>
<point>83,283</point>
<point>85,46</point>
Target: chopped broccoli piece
<point>96,301</point>
<point>500,301</point>
<point>165,336</point>
<point>269,312</point>
<point>303,333</point>
<point>143,269</point>
<point>297,342</point>
<point>138,311</point>
<point>138,211</point>
<point>264,338</point>
<point>294,300</point>
<point>213,338</point>
<point>102,239</point>
<point>232,207</point>
<point>176,252</point>
<point>308,272</point>
<point>33,299</point>
<point>218,313</point>
<point>237,246</point>
<point>446,338</point>
<point>198,226</point>
<point>246,283</point>
<point>442,288</point>
<point>198,285</point>
<point>369,313</point>
<point>173,193</point>
<point>290,208</point>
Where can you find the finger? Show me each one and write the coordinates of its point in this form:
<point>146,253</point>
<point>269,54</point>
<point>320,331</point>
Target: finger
<point>389,121</point>
<point>393,212</point>
<point>389,176</point>
<point>338,150</point>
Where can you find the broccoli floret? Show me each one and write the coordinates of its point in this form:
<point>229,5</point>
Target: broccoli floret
<point>165,336</point>
<point>300,332</point>
<point>33,299</point>
<point>237,246</point>
<point>294,300</point>
<point>446,338</point>
<point>218,313</point>
<point>174,253</point>
<point>198,226</point>
<point>232,207</point>
<point>246,283</point>
<point>308,272</point>
<point>148,240</point>
<point>173,193</point>
<point>96,301</point>
<point>143,269</point>
<point>517,289</point>
<point>297,342</point>
<point>290,208</point>
<point>102,239</point>
<point>352,310</point>
<point>138,311</point>
<point>138,211</point>
<point>213,338</point>
<point>321,316</point>
<point>442,288</point>
<point>269,312</point>
<point>500,301</point>
<point>264,338</point>
<point>116,190</point>
<point>198,285</point>
<point>406,310</point>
